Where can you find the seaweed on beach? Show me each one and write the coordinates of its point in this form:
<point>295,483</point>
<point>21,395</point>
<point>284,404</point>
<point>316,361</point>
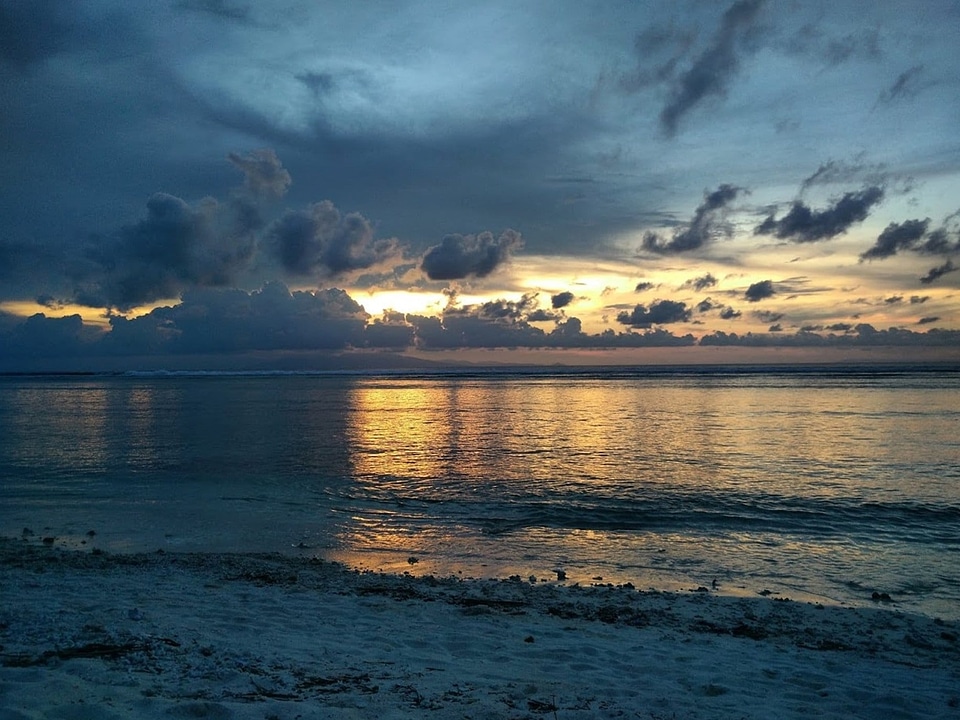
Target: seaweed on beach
<point>90,650</point>
<point>329,685</point>
<point>875,631</point>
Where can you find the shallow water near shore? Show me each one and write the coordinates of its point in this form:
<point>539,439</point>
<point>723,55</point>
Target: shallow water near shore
<point>828,484</point>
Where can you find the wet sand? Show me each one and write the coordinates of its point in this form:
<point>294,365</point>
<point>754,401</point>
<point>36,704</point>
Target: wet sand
<point>85,634</point>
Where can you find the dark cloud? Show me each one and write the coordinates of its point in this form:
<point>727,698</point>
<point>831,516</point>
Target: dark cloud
<point>660,50</point>
<point>927,320</point>
<point>321,241</point>
<point>460,256</point>
<point>726,312</point>
<point>939,272</point>
<point>864,44</point>
<point>31,32</point>
<point>803,225</point>
<point>759,291</point>
<point>895,237</point>
<point>834,50</point>
<point>214,320</point>
<point>862,335</point>
<point>800,285</point>
<point>49,301</point>
<point>100,114</point>
<point>701,283</point>
<point>938,243</point>
<point>643,286</point>
<point>918,299</point>
<point>503,325</point>
<point>838,172</point>
<point>264,174</point>
<point>387,333</point>
<point>326,85</point>
<point>706,224</point>
<point>561,300</point>
<point>498,323</point>
<point>40,336</point>
<point>388,168</point>
<point>339,146</point>
<point>661,312</point>
<point>541,315</point>
<point>430,333</point>
<point>8,322</point>
<point>867,335</point>
<point>568,332</point>
<point>768,316</point>
<point>320,83</point>
<point>21,263</point>
<point>905,86</point>
<point>712,70</point>
<point>893,300</point>
<point>908,236</point>
<point>503,310</point>
<point>177,246</point>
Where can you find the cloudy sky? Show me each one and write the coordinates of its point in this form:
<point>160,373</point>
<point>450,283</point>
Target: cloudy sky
<point>208,177</point>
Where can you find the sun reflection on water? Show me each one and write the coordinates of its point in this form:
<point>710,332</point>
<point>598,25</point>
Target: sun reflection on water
<point>621,477</point>
<point>60,428</point>
<point>481,475</point>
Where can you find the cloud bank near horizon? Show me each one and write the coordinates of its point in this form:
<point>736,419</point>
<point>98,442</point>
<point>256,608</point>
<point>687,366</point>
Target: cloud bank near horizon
<point>215,321</point>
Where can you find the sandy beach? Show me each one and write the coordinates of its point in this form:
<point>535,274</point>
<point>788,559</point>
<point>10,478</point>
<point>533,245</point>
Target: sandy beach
<point>87,634</point>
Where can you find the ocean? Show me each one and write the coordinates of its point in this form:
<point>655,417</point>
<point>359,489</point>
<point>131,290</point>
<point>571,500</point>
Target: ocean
<point>819,484</point>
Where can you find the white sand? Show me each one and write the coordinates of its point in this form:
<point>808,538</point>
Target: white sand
<point>229,636</point>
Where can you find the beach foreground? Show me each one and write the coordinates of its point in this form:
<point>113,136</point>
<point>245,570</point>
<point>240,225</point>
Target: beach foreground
<point>97,635</point>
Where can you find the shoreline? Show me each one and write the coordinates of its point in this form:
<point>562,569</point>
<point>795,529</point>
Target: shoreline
<point>268,635</point>
<point>647,577</point>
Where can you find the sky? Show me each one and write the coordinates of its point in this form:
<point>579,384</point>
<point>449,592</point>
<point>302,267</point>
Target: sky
<point>223,181</point>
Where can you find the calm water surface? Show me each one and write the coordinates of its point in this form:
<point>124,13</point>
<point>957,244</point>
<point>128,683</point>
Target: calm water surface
<point>824,485</point>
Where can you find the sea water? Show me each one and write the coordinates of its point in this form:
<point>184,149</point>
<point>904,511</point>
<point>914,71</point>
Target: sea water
<point>817,484</point>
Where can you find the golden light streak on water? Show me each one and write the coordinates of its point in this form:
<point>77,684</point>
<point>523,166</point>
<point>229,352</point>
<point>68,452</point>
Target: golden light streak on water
<point>49,415</point>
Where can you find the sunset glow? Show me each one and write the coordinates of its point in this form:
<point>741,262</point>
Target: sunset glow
<point>642,177</point>
<point>516,358</point>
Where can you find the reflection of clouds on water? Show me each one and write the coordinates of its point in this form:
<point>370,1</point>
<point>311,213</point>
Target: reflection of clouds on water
<point>185,463</point>
<point>60,427</point>
<point>789,482</point>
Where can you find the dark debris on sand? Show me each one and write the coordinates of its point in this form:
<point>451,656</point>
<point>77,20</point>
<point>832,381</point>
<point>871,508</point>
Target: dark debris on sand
<point>881,631</point>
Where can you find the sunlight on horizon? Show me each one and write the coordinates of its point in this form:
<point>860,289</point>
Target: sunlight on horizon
<point>822,289</point>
